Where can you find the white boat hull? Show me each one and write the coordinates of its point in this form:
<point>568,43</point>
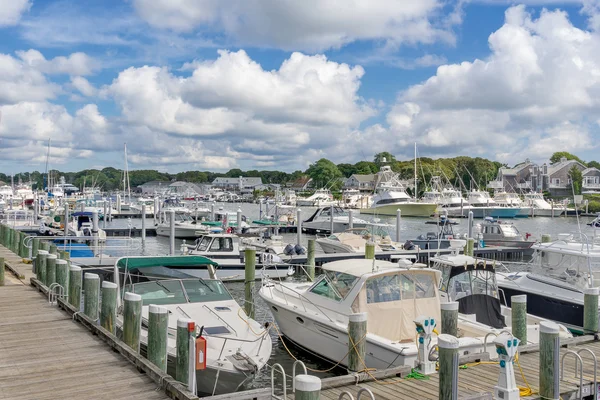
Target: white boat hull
<point>180,232</point>
<point>407,209</point>
<point>238,273</point>
<point>325,226</point>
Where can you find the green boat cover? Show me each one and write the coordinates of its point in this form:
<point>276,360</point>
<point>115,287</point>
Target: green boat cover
<point>165,261</point>
<point>267,222</point>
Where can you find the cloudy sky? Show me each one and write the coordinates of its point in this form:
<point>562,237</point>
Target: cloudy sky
<point>277,84</point>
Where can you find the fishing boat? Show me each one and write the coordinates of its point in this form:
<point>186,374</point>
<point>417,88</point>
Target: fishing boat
<point>472,283</point>
<point>541,208</point>
<point>440,239</point>
<point>556,278</point>
<point>495,232</point>
<point>482,206</point>
<point>238,347</point>
<point>227,250</point>
<point>507,199</point>
<point>321,198</point>
<point>390,196</point>
<point>185,226</point>
<point>324,217</point>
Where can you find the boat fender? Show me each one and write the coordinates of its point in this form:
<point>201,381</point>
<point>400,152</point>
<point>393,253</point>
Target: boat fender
<point>408,245</point>
<point>300,250</point>
<point>289,250</point>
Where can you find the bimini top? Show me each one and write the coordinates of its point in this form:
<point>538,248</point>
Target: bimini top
<point>165,261</point>
<point>359,266</point>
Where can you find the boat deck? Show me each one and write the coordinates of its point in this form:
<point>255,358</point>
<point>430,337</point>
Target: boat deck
<point>45,354</point>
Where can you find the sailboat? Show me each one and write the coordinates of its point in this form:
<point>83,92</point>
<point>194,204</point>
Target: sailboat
<point>126,204</point>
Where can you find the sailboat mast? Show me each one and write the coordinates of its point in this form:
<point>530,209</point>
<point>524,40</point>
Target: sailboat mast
<point>416,192</point>
<point>126,187</point>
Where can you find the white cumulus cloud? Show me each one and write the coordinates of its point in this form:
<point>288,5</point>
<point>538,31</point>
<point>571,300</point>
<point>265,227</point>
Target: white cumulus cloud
<point>11,11</point>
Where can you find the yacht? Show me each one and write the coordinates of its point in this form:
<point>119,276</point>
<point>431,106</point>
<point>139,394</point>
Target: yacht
<point>556,277</point>
<point>238,347</point>
<point>390,196</point>
<point>315,315</point>
<point>354,241</point>
<point>541,208</point>
<point>453,204</point>
<point>472,283</point>
<point>321,198</point>
<point>506,199</point>
<point>352,198</point>
<point>321,219</point>
<point>483,206</point>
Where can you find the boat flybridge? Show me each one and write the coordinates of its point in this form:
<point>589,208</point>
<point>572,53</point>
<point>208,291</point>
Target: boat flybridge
<point>472,283</point>
<point>556,278</point>
<point>237,347</point>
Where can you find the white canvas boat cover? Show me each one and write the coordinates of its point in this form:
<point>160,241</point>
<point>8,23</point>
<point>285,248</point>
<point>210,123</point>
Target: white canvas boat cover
<point>393,300</point>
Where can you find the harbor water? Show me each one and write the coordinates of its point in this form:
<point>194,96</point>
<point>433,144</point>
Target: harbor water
<point>410,228</point>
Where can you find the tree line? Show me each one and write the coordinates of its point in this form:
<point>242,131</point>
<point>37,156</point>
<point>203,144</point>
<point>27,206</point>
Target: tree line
<point>463,172</point>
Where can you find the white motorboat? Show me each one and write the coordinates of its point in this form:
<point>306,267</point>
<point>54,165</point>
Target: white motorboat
<point>541,208</point>
<point>321,198</point>
<point>323,218</point>
<point>452,203</point>
<point>507,199</point>
<point>315,315</point>
<point>472,283</point>
<point>483,206</point>
<point>495,232</point>
<point>555,279</point>
<point>226,249</point>
<point>185,226</point>
<point>237,347</point>
<point>353,198</point>
<point>390,196</point>
<point>354,241</point>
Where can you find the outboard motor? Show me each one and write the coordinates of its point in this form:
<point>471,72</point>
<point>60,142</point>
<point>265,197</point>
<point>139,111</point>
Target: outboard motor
<point>289,250</point>
<point>299,249</point>
<point>409,245</point>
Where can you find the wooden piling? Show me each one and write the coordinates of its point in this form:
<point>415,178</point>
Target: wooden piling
<point>1,271</point>
<point>519,317</point>
<point>549,360</point>
<point>370,250</point>
<point>158,324</point>
<point>53,249</point>
<point>450,318</point>
<point>40,267</point>
<point>250,269</point>
<point>23,253</point>
<point>183,350</point>
<point>35,246</point>
<point>75,278</point>
<point>470,246</point>
<point>311,259</point>
<point>108,309</point>
<point>448,361</point>
<point>357,341</point>
<point>308,387</point>
<point>91,293</point>
<point>132,320</point>
<point>62,275</point>
<point>590,310</point>
<point>50,269</point>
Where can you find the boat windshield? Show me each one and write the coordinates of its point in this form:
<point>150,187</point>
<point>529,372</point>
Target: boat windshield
<point>334,285</point>
<point>180,291</point>
<point>509,231</point>
<point>400,287</point>
<point>470,283</point>
<point>204,243</point>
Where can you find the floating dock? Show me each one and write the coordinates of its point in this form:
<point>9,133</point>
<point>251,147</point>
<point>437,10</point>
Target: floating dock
<point>46,353</point>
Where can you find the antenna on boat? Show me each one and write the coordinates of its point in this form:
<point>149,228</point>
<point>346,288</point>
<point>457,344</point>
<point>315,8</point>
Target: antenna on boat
<point>575,203</point>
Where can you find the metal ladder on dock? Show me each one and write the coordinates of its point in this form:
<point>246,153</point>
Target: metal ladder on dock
<point>579,364</point>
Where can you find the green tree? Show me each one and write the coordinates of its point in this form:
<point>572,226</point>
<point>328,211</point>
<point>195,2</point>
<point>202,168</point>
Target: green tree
<point>325,174</point>
<point>365,168</point>
<point>346,169</point>
<point>384,155</point>
<point>560,154</point>
<point>577,179</point>
<point>593,164</point>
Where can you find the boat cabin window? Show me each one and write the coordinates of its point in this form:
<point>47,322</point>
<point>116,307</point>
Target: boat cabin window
<point>203,244</point>
<point>400,287</point>
<point>334,285</point>
<point>222,244</point>
<point>391,201</point>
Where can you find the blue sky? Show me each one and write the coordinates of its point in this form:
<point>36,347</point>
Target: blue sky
<point>278,84</point>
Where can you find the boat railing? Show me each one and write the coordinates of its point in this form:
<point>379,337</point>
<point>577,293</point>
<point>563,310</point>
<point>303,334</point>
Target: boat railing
<point>301,297</point>
<point>114,245</point>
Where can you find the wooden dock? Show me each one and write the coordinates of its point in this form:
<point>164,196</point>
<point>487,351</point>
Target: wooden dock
<point>475,380</point>
<point>45,353</point>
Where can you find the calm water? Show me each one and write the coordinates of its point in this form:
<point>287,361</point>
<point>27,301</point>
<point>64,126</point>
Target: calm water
<point>410,228</point>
